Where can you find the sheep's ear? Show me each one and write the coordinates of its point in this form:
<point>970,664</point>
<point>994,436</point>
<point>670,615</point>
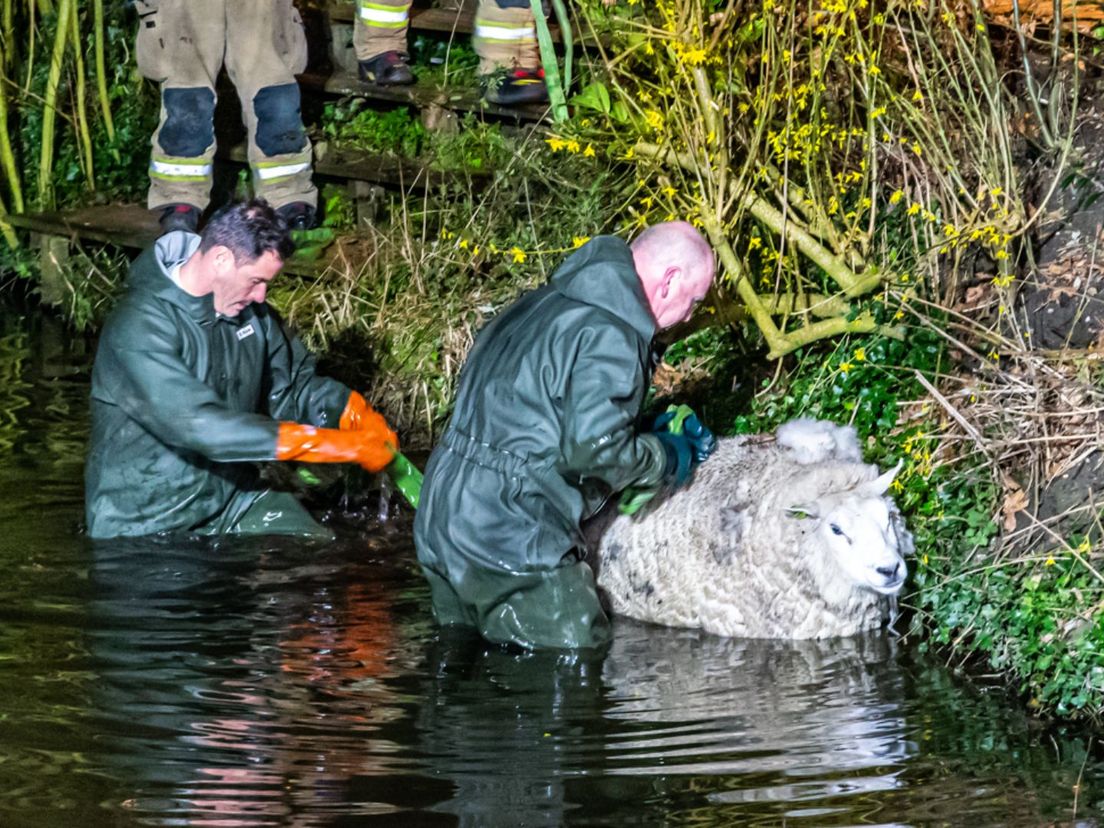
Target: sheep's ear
<point>804,510</point>
<point>880,485</point>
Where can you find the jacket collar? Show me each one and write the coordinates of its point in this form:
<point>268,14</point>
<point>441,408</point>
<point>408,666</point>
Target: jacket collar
<point>150,274</point>
<point>602,273</point>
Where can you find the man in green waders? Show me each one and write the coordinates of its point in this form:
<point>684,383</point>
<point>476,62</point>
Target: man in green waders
<point>545,429</point>
<point>196,380</point>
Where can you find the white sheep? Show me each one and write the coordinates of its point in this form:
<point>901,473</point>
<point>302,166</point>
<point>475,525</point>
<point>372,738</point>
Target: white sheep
<point>767,541</point>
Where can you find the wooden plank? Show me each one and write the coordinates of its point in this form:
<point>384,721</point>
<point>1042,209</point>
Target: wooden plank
<point>125,225</point>
<point>421,95</point>
<point>358,165</point>
<point>1088,14</point>
<point>130,226</point>
<point>53,252</point>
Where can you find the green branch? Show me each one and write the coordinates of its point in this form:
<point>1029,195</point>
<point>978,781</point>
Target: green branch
<point>851,283</point>
<point>7,154</point>
<point>101,73</point>
<point>49,105</point>
<point>551,65</point>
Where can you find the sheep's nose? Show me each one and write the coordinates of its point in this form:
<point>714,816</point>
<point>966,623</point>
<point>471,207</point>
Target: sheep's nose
<point>889,571</point>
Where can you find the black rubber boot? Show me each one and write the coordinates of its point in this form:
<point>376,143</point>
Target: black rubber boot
<point>298,214</point>
<point>387,69</point>
<point>521,86</point>
<point>179,217</point>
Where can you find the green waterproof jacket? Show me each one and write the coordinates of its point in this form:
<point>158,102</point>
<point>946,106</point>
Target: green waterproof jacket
<point>544,426</point>
<point>185,402</point>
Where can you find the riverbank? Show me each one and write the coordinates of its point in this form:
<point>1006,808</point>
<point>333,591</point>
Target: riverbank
<point>887,263</point>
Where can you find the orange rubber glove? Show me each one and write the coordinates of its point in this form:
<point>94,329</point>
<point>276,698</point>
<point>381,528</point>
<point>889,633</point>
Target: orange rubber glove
<point>359,415</point>
<point>372,447</point>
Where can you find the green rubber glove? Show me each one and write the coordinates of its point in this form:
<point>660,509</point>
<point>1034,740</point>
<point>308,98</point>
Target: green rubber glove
<point>634,499</point>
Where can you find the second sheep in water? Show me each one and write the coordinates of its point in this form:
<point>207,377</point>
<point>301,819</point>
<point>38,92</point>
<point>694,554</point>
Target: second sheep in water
<point>791,538</point>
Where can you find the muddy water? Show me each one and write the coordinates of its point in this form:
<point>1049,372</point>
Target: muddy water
<point>280,683</point>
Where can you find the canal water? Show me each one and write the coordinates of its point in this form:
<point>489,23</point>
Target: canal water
<point>274,682</point>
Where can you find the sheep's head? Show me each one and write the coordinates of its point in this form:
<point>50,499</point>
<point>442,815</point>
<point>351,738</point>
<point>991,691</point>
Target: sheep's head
<point>862,534</point>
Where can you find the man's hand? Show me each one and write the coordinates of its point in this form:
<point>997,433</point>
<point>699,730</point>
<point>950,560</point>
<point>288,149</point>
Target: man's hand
<point>682,420</point>
<point>360,416</point>
<point>680,458</point>
<point>371,447</point>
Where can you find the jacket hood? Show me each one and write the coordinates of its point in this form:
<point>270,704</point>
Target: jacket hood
<point>150,273</point>
<point>602,274</point>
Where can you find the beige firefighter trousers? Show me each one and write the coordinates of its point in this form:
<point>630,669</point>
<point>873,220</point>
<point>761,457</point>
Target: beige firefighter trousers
<point>183,44</point>
<point>505,35</point>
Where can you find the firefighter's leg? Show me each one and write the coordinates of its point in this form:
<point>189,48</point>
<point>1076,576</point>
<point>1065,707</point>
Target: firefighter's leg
<point>379,38</point>
<point>189,38</point>
<point>505,39</point>
<point>279,150</point>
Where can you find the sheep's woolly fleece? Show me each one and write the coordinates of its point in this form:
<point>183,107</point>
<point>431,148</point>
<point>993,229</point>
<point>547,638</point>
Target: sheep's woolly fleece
<point>728,553</point>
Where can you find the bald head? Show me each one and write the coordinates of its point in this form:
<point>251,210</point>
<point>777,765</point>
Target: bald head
<point>675,266</point>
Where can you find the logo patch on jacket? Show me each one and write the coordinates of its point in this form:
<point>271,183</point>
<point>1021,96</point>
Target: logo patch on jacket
<point>244,331</point>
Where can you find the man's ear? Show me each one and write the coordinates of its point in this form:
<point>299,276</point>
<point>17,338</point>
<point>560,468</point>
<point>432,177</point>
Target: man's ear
<point>669,276</point>
<point>223,257</point>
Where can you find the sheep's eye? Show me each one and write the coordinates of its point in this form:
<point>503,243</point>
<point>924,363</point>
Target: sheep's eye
<point>836,530</point>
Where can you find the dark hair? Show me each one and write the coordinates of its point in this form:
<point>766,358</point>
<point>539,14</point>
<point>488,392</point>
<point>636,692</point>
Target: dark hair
<point>249,229</point>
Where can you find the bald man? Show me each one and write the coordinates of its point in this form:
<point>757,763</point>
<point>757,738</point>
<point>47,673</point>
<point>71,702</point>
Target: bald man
<point>545,430</point>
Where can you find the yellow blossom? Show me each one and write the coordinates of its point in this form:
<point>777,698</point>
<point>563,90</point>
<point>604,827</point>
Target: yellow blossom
<point>917,95</point>
<point>462,244</point>
<point>693,57</point>
<point>859,355</point>
<point>1049,561</point>
<point>579,241</point>
<point>845,367</point>
<point>897,196</point>
<point>518,254</point>
<point>914,208</point>
<point>554,143</point>
<point>754,243</point>
<point>589,151</point>
<point>573,146</point>
<point>669,191</point>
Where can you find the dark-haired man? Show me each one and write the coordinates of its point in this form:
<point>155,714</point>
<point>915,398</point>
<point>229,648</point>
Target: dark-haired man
<point>196,380</point>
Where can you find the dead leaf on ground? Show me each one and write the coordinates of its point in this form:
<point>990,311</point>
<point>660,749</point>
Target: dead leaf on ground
<point>1015,501</point>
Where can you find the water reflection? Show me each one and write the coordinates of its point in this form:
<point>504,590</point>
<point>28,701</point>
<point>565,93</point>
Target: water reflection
<point>238,688</point>
<point>258,682</point>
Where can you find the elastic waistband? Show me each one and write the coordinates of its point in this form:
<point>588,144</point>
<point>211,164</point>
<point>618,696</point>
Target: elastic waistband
<point>484,454</point>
